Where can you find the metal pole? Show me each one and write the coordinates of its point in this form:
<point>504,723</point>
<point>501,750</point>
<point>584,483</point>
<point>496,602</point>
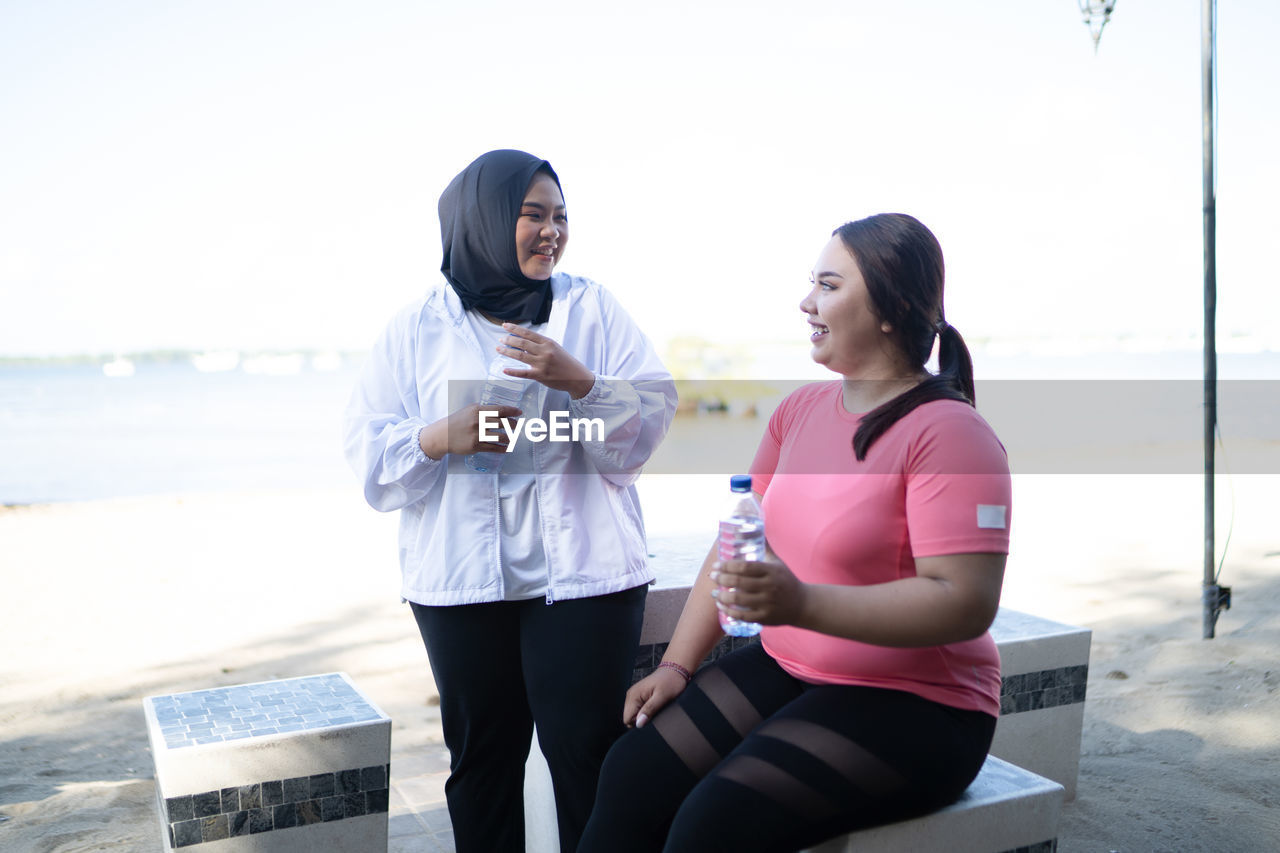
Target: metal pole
<point>1211,595</point>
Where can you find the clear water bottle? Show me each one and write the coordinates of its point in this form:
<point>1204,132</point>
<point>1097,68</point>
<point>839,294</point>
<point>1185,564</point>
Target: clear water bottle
<point>499,390</point>
<point>741,538</point>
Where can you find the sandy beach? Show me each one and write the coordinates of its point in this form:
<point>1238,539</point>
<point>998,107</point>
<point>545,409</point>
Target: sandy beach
<point>107,602</point>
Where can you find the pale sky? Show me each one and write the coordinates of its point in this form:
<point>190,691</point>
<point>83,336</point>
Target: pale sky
<point>264,174</point>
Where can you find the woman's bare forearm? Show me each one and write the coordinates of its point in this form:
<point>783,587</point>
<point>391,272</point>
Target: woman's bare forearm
<point>698,630</point>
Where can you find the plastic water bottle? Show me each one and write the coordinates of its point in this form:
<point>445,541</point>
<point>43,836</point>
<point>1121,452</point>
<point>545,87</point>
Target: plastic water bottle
<point>499,390</point>
<point>741,538</point>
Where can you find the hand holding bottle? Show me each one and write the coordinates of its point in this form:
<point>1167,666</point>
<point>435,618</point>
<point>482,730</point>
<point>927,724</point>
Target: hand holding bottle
<point>763,591</point>
<point>459,432</point>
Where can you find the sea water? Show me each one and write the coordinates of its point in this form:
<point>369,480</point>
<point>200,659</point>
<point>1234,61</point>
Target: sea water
<point>72,433</point>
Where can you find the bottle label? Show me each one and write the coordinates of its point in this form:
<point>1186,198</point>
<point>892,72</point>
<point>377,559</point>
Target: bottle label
<point>741,539</point>
<point>728,540</point>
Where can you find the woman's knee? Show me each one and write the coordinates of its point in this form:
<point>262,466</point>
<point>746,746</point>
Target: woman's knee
<point>641,774</point>
<point>719,814</point>
<point>641,786</point>
<point>630,755</point>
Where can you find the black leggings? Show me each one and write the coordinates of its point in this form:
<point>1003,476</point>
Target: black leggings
<point>751,758</point>
<point>502,667</point>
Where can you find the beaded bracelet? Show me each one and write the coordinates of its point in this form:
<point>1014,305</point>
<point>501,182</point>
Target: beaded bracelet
<point>672,665</point>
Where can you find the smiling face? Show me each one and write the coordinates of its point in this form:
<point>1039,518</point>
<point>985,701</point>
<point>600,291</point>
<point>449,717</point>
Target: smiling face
<point>542,230</point>
<point>847,335</point>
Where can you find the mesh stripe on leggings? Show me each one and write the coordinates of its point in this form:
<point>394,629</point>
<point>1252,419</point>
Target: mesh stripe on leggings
<point>751,759</point>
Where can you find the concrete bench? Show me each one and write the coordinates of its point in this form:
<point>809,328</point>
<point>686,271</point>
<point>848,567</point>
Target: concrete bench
<point>1044,666</point>
<point>1006,810</point>
<point>290,766</point>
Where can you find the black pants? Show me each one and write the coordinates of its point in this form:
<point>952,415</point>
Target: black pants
<point>503,667</point>
<point>750,758</point>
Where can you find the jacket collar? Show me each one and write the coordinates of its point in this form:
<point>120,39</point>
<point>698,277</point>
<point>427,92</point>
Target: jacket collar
<point>444,303</point>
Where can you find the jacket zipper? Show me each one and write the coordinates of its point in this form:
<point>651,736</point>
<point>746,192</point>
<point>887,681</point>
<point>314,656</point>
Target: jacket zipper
<point>540,396</point>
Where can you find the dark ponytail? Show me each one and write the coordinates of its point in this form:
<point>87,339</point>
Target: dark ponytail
<point>901,263</point>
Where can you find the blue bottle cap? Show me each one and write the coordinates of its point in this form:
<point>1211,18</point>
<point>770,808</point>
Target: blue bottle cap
<point>740,483</point>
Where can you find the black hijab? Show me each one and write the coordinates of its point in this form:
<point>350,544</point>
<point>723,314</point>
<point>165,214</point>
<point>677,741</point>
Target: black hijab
<point>478,213</point>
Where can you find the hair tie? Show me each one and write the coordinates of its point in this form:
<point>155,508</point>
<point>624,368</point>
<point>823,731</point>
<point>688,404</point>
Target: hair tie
<point>942,326</point>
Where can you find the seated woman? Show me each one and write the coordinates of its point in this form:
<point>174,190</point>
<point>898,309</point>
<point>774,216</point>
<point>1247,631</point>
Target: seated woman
<point>874,693</point>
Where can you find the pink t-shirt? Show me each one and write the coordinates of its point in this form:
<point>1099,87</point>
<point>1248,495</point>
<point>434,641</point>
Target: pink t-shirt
<point>936,482</point>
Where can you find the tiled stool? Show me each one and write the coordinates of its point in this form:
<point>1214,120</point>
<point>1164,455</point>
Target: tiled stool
<point>291,766</point>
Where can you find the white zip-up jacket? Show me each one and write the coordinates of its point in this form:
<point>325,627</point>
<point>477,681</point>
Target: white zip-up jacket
<point>592,530</point>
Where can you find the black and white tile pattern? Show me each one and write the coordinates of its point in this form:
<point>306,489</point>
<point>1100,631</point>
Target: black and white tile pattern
<point>649,655</point>
<point>277,804</point>
<point>1049,688</point>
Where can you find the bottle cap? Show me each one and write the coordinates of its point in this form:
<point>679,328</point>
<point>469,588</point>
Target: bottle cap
<point>740,483</point>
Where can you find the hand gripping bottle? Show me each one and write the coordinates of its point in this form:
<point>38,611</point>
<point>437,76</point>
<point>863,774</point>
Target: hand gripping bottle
<point>499,390</point>
<point>741,538</point>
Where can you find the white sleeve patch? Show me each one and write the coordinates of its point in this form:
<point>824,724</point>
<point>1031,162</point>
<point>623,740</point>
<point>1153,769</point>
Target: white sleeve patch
<point>991,517</point>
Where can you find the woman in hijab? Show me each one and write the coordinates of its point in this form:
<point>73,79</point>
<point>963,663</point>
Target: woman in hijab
<point>527,582</point>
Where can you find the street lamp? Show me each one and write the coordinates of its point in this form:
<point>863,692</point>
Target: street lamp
<point>1096,14</point>
<point>1216,597</point>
